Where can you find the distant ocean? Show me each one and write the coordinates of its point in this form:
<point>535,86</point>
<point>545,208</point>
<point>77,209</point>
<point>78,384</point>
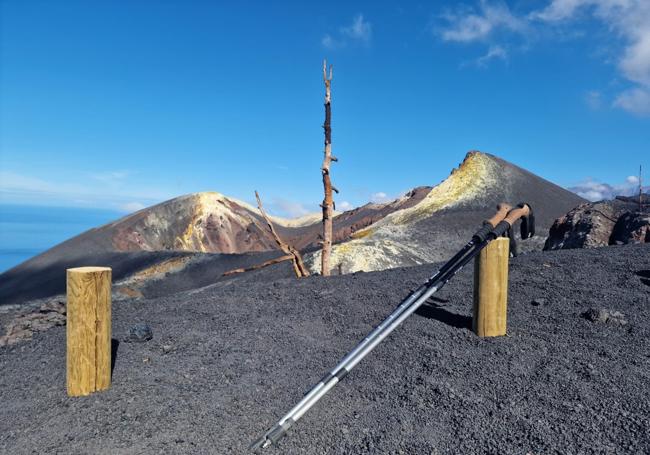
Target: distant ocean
<point>26,231</point>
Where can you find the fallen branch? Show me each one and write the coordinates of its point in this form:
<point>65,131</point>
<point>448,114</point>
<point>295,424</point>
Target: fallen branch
<point>298,266</point>
<point>288,257</point>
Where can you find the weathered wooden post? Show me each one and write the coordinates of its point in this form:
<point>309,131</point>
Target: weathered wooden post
<point>88,330</point>
<point>491,289</point>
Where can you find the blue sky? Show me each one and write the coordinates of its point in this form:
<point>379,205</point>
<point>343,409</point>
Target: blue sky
<point>123,104</point>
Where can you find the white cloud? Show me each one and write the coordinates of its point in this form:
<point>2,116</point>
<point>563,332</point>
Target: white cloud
<point>112,177</point>
<point>285,208</point>
<point>636,100</point>
<point>630,20</point>
<point>131,207</point>
<point>345,205</point>
<point>558,10</point>
<point>494,52</point>
<point>597,191</point>
<point>85,190</point>
<point>359,32</point>
<point>328,42</point>
<point>379,198</point>
<point>594,99</point>
<point>464,26</point>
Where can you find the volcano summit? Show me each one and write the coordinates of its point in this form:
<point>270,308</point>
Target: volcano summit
<point>425,225</point>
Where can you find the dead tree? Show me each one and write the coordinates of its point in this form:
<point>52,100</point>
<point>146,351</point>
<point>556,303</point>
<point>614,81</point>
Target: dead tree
<point>328,202</point>
<point>291,254</point>
<point>640,191</point>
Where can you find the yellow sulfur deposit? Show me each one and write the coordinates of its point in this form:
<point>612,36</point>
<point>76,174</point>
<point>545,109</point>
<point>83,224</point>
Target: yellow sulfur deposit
<point>373,247</point>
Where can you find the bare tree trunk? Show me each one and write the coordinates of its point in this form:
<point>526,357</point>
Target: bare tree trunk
<point>298,266</point>
<point>640,191</point>
<point>328,202</point>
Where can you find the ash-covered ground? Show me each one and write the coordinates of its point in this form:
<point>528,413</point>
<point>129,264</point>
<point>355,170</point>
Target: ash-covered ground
<point>227,361</point>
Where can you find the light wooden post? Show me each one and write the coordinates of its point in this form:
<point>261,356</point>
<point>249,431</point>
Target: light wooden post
<point>88,330</point>
<point>491,289</point>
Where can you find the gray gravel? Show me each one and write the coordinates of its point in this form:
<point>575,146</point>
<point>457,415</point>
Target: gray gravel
<point>228,360</point>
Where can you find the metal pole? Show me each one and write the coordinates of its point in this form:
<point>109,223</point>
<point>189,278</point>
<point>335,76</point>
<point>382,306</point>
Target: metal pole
<point>405,303</point>
<point>398,316</point>
<point>403,311</point>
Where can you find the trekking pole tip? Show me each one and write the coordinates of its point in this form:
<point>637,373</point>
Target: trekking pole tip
<point>272,436</point>
<point>261,443</point>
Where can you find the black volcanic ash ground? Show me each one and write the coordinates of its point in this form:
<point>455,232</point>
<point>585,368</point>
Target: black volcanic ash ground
<point>227,361</point>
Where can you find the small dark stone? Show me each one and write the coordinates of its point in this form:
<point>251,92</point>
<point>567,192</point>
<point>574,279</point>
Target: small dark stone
<point>616,318</point>
<point>538,302</point>
<point>605,316</point>
<point>595,315</point>
<point>140,333</point>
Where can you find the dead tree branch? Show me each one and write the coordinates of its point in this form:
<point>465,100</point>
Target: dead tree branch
<point>298,266</point>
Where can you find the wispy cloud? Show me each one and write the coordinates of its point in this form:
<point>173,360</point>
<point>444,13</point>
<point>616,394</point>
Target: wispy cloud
<point>358,32</point>
<point>628,21</point>
<point>494,52</point>
<point>594,190</point>
<point>131,206</point>
<point>594,99</point>
<point>635,100</point>
<point>359,29</point>
<point>286,208</point>
<point>344,205</point>
<point>379,198</point>
<point>469,25</point>
<point>104,190</point>
<point>111,177</point>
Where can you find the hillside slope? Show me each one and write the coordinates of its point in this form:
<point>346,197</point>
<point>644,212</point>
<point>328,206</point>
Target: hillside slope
<point>230,232</point>
<point>427,224</point>
<point>228,360</point>
<point>445,219</point>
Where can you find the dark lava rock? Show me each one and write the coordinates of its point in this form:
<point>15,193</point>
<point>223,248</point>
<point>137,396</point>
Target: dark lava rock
<point>631,228</point>
<point>50,314</point>
<point>589,225</point>
<point>139,333</point>
<point>616,318</point>
<point>597,224</point>
<point>605,316</point>
<point>595,315</point>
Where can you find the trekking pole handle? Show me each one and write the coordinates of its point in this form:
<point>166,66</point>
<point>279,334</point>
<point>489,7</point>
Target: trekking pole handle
<point>503,209</point>
<point>522,210</point>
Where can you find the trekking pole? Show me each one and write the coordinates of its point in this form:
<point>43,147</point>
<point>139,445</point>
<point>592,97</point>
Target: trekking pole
<point>405,309</point>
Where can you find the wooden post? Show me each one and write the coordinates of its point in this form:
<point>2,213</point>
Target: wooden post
<point>88,330</point>
<point>491,289</point>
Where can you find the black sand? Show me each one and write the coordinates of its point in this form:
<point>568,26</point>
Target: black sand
<point>243,352</point>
